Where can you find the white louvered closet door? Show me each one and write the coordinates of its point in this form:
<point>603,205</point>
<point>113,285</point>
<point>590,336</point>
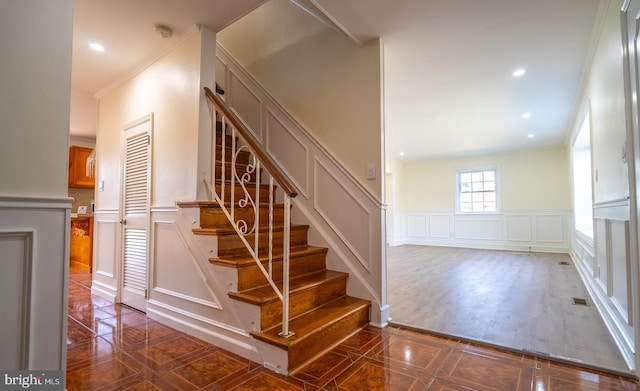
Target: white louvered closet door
<point>135,207</point>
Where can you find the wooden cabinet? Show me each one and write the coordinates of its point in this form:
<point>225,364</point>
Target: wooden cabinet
<point>78,168</point>
<point>81,248</point>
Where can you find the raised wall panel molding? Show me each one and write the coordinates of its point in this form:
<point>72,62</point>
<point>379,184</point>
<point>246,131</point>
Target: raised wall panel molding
<point>519,228</point>
<point>246,104</point>
<point>619,266</point>
<point>516,230</point>
<point>440,226</point>
<point>16,275</point>
<point>181,296</point>
<point>417,226</point>
<point>171,251</point>
<point>106,233</point>
<point>34,252</point>
<point>343,212</point>
<point>478,229</point>
<point>282,144</point>
<point>550,228</point>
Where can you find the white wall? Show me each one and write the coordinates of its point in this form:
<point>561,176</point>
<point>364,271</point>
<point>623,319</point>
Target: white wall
<point>604,262</point>
<point>35,75</point>
<point>534,193</point>
<point>343,215</point>
<point>34,100</point>
<point>169,88</point>
<point>330,85</point>
<point>84,115</point>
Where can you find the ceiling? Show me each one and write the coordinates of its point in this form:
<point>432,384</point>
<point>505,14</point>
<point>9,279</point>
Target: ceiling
<point>449,89</point>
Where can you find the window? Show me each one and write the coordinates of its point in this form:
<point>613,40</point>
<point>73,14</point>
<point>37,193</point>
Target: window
<point>582,193</point>
<point>478,191</point>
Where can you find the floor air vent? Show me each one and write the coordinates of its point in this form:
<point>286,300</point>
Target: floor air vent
<point>564,263</point>
<point>579,301</point>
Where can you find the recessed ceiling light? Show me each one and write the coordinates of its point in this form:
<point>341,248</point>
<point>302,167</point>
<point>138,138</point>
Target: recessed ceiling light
<point>401,153</point>
<point>526,115</point>
<point>531,135</point>
<point>519,72</point>
<point>97,47</point>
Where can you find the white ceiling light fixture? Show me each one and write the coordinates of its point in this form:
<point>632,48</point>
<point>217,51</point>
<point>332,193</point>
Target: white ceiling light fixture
<point>531,135</point>
<point>164,31</point>
<point>526,115</point>
<point>519,72</point>
<point>96,46</point>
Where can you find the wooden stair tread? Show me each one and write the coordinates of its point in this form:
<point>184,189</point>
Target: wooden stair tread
<point>265,293</point>
<point>204,205</point>
<point>239,261</point>
<point>305,325</point>
<point>230,231</point>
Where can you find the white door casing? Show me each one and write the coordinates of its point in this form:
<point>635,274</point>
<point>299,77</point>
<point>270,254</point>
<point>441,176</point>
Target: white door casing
<point>134,216</point>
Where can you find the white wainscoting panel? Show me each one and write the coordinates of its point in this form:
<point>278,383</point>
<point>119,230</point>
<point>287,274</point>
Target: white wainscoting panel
<point>440,227</point>
<point>15,278</point>
<point>332,200</point>
<point>620,266</point>
<point>551,229</point>
<point>106,254</point>
<point>175,274</point>
<point>288,151</point>
<point>34,275</point>
<point>605,269</point>
<point>601,236</point>
<point>246,104</point>
<point>478,230</point>
<point>517,230</point>
<point>417,226</point>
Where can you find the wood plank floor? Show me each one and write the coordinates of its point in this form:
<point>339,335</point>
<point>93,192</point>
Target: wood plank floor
<point>522,301</point>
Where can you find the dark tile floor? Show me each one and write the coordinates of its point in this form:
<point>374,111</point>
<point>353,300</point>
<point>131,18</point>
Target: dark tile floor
<point>111,347</point>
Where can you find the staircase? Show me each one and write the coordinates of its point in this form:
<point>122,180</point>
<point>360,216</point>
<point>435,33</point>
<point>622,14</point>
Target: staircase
<point>321,314</point>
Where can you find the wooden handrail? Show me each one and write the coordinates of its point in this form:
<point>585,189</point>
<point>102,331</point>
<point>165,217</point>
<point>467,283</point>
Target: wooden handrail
<point>270,165</point>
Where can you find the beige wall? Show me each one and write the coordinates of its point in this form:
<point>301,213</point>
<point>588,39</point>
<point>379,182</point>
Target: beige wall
<point>529,180</point>
<point>604,93</point>
<point>34,97</point>
<point>329,84</point>
<point>170,89</point>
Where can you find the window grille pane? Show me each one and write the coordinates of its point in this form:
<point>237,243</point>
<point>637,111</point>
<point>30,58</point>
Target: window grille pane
<point>477,191</point>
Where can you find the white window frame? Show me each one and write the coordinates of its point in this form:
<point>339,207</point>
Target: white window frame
<point>461,171</point>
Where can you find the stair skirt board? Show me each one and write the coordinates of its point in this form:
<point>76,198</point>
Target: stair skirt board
<point>232,339</point>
